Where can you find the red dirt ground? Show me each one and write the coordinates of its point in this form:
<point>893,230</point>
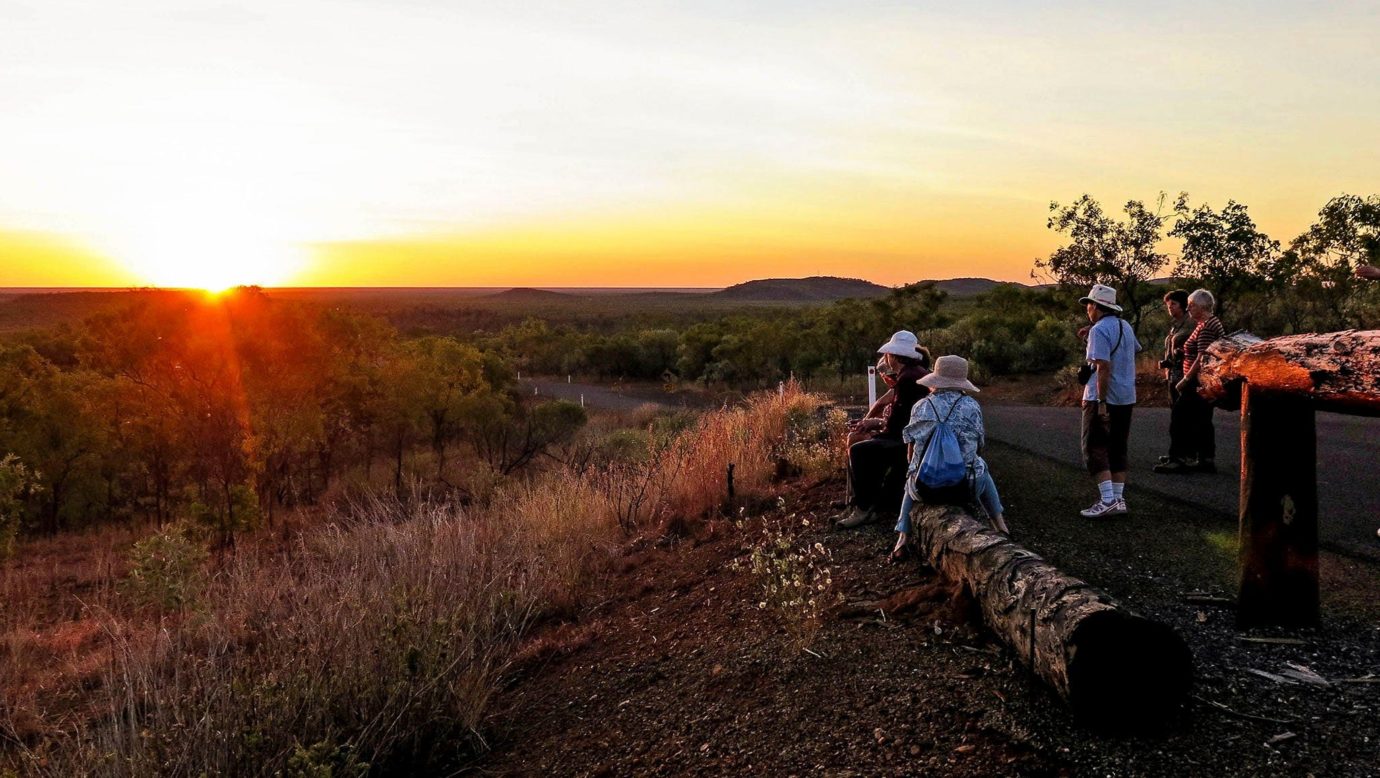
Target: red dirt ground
<point>678,672</point>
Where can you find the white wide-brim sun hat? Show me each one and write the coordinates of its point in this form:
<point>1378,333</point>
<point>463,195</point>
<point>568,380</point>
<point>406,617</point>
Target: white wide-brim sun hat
<point>1104,296</point>
<point>903,343</point>
<point>950,372</point>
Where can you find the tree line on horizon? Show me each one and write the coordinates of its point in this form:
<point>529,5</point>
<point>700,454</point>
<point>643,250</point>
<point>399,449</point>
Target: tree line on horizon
<point>1260,285</point>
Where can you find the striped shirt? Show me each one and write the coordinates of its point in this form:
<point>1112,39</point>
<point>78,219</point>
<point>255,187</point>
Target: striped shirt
<point>1204,334</point>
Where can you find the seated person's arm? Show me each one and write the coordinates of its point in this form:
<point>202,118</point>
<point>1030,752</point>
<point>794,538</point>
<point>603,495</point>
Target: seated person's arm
<point>880,405</point>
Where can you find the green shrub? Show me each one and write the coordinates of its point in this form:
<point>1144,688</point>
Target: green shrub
<point>166,570</point>
<point>15,481</point>
<point>324,760</point>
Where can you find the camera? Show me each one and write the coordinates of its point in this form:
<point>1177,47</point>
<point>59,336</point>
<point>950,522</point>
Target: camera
<point>1166,363</point>
<point>1085,372</point>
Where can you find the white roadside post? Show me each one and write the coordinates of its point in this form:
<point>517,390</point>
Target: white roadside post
<point>872,386</point>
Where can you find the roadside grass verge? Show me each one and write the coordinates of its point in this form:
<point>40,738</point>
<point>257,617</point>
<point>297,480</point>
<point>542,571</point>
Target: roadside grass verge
<point>372,642</point>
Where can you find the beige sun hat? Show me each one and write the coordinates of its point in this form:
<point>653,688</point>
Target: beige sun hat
<point>950,372</point>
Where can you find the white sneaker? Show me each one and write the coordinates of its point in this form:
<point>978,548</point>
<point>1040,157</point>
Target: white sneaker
<point>1101,509</point>
<point>1121,509</point>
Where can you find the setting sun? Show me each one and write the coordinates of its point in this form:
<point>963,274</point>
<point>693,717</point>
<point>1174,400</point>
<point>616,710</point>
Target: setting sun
<point>206,240</point>
<point>186,262</point>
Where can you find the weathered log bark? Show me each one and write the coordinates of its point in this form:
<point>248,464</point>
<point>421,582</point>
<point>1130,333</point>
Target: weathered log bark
<point>1338,371</point>
<point>1279,511</point>
<point>1113,667</point>
<point>1283,381</point>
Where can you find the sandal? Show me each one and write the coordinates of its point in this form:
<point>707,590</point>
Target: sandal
<point>899,555</point>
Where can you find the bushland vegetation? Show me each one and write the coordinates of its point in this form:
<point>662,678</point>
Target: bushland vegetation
<point>371,639</point>
<point>229,410</point>
<point>1261,285</point>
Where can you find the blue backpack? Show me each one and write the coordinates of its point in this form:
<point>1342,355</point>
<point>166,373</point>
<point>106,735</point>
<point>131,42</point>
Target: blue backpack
<point>943,473</point>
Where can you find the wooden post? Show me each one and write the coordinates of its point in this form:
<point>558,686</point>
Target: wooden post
<point>731,495</point>
<point>1279,510</point>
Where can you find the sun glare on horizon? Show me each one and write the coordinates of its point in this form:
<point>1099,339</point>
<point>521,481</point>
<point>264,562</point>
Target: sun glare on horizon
<point>209,266</point>
<point>196,253</point>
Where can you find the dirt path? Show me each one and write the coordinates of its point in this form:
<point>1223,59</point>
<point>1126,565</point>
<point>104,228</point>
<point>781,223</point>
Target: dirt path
<point>679,672</point>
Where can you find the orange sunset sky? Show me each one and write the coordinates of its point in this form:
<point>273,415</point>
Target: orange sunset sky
<point>432,143</point>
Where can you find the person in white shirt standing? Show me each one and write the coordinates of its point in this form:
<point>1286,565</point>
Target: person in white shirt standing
<point>1108,398</point>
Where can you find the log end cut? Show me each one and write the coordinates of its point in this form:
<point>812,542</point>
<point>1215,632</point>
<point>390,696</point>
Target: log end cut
<point>1127,672</point>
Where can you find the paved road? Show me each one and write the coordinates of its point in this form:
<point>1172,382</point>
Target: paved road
<point>1348,456</point>
<point>1348,464</point>
<point>608,398</point>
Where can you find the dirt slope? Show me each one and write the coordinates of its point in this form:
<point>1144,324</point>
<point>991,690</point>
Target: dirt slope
<point>678,672</point>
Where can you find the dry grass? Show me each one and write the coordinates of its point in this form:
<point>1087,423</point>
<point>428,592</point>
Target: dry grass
<point>747,437</point>
<point>375,640</point>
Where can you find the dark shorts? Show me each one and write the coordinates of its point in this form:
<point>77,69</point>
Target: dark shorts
<point>1104,444</point>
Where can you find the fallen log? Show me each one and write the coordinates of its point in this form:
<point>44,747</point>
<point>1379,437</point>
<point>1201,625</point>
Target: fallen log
<point>1337,371</point>
<point>1114,668</point>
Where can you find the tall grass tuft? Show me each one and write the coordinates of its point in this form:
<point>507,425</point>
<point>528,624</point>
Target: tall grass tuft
<point>747,437</point>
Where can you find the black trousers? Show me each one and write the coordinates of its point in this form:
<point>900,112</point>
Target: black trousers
<point>1191,434</point>
<point>878,470</point>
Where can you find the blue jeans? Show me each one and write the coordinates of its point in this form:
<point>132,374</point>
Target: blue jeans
<point>984,489</point>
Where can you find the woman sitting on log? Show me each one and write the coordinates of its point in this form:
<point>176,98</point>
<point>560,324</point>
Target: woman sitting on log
<point>875,419</point>
<point>876,466</point>
<point>948,402</point>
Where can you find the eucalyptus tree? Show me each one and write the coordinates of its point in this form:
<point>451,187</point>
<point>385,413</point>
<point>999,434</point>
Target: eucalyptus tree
<point>1100,249</point>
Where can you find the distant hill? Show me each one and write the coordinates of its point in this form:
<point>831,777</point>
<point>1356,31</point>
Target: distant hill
<point>813,289</point>
<point>528,294</point>
<point>967,287</point>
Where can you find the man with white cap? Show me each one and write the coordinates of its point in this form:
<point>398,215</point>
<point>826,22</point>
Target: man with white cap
<point>1108,398</point>
<point>877,466</point>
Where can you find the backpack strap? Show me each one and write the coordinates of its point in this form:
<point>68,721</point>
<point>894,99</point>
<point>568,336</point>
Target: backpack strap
<point>937,420</point>
<point>952,408</point>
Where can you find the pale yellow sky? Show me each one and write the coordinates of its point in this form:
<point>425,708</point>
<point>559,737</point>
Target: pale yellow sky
<point>648,144</point>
